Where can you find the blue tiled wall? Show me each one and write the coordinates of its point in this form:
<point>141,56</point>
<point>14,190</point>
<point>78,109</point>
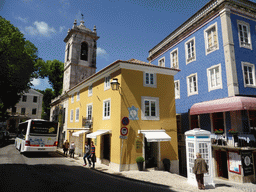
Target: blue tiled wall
<point>243,54</point>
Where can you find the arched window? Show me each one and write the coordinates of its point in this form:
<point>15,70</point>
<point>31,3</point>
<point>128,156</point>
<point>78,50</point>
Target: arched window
<point>68,52</point>
<point>84,51</point>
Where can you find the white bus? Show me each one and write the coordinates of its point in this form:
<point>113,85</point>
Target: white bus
<point>37,135</point>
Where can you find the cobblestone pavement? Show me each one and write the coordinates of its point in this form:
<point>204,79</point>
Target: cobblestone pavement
<point>175,182</point>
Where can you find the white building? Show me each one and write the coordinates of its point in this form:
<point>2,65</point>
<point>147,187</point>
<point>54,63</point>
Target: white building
<point>29,107</point>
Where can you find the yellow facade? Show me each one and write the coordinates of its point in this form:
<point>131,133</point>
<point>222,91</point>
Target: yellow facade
<point>131,93</point>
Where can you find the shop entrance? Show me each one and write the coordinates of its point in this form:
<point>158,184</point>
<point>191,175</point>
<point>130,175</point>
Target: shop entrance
<point>151,154</point>
<point>106,148</point>
<point>222,166</point>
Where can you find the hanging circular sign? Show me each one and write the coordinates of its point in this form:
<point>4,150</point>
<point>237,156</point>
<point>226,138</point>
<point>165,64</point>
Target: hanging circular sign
<point>124,131</point>
<point>125,121</point>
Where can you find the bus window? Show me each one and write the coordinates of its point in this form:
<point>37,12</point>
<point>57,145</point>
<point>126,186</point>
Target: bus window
<point>42,127</point>
<point>22,130</point>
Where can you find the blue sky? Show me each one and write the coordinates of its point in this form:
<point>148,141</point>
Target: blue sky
<point>127,28</point>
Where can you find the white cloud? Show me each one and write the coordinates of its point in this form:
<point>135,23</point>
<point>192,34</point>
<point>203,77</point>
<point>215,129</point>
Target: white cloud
<point>62,28</point>
<point>24,20</point>
<point>40,28</point>
<point>102,53</point>
<point>35,82</point>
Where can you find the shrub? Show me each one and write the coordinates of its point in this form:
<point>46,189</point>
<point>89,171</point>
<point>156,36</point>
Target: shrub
<point>140,159</point>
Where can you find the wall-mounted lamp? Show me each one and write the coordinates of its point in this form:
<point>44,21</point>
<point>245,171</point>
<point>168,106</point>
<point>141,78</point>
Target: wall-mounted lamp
<point>114,84</point>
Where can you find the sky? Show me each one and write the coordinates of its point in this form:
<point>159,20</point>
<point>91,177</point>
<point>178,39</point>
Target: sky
<point>127,28</point>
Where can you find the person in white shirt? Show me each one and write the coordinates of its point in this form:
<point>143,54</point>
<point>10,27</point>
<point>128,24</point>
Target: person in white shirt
<point>87,154</point>
<point>72,149</point>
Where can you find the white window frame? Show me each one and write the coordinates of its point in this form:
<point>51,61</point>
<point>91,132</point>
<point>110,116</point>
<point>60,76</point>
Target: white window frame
<point>145,84</point>
<point>78,96</point>
<point>162,60</point>
<point>154,99</point>
<point>107,83</point>
<point>177,92</point>
<point>71,115</point>
<point>77,115</point>
<point>72,98</point>
<point>210,88</point>
<point>243,44</point>
<point>87,111</point>
<point>107,116</point>
<point>90,91</point>
<point>214,47</point>
<point>171,58</point>
<point>253,74</point>
<point>188,85</point>
<point>191,59</point>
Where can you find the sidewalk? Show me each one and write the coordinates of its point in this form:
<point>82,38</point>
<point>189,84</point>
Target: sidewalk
<point>175,182</point>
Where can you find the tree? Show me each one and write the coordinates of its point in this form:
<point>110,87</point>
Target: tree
<point>17,65</point>
<point>48,96</point>
<point>54,71</point>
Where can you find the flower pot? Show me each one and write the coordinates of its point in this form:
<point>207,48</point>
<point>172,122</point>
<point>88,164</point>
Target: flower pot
<point>140,166</point>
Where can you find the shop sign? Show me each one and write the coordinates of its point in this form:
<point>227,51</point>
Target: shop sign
<point>138,145</point>
<point>247,162</point>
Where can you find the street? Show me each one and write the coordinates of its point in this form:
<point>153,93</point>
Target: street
<point>54,172</point>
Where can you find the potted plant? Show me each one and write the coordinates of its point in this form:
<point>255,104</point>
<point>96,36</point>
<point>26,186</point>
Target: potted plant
<point>232,132</point>
<point>167,164</point>
<point>218,131</point>
<point>140,160</point>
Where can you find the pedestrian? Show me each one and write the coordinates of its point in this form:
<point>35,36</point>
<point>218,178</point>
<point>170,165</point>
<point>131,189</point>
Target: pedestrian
<point>200,168</point>
<point>93,157</point>
<point>87,154</point>
<point>65,147</point>
<point>72,149</point>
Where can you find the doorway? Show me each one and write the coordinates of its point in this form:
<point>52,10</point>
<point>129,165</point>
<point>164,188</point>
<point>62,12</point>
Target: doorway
<point>151,154</point>
<point>106,147</point>
<point>222,166</point>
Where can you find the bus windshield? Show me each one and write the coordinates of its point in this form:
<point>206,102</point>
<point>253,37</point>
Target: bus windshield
<point>43,127</point>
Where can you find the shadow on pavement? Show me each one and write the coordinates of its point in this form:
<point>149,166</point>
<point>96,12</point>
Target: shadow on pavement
<point>56,177</point>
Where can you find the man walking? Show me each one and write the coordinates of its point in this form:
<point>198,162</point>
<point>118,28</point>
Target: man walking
<point>200,168</point>
<point>87,154</point>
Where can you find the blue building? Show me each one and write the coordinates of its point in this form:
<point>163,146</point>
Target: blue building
<point>215,90</point>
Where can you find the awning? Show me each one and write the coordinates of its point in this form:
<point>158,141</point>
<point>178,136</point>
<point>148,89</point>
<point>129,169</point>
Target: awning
<point>96,133</point>
<point>155,135</point>
<point>76,134</point>
<point>226,104</point>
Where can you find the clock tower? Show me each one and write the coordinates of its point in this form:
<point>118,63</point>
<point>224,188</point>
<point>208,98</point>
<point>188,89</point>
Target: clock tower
<point>80,55</point>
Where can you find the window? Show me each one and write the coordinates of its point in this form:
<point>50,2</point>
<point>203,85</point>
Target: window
<point>244,34</point>
<point>24,98</point>
<point>177,89</point>
<point>89,111</point>
<point>84,51</point>
<point>14,109</point>
<point>107,83</point>
<point>214,77</point>
<point>249,74</point>
<point>35,99</point>
<point>190,50</point>
<point>161,62</point>
<point>174,59</point>
<point>211,39</point>
<point>90,91</point>
<point>77,114</point>
<point>106,109</point>
<point>71,115</point>
<point>149,80</point>
<point>192,84</point>
<point>150,108</point>
<point>68,49</point>
<point>218,121</point>
<point>78,96</point>
<point>34,111</point>
<point>72,98</point>
<point>23,111</point>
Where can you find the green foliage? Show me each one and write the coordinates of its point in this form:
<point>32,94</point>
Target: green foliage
<point>48,96</point>
<point>140,159</point>
<point>17,65</point>
<point>54,71</point>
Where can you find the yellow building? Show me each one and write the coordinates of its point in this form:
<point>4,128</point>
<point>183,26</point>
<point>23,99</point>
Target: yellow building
<point>144,104</point>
